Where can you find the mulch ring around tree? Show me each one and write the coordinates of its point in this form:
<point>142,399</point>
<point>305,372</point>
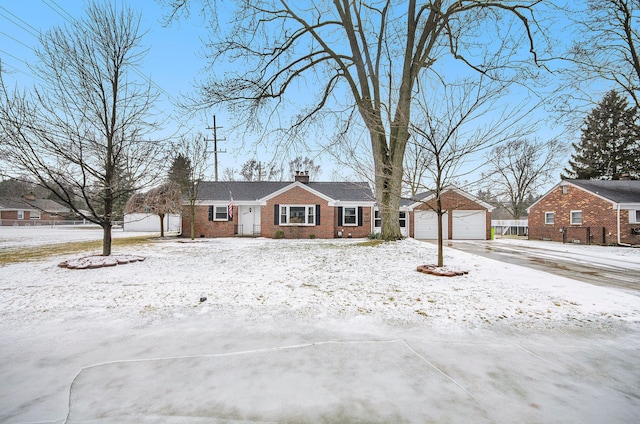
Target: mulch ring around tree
<point>92,262</point>
<point>440,271</point>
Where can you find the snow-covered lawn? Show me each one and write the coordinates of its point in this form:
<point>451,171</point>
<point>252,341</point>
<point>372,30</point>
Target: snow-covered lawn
<point>285,321</point>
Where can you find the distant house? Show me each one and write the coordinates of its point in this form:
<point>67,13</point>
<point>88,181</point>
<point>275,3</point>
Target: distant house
<point>28,210</point>
<point>466,217</point>
<point>588,211</point>
<point>299,209</point>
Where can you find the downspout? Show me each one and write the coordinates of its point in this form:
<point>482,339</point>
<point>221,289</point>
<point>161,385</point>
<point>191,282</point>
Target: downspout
<point>619,242</point>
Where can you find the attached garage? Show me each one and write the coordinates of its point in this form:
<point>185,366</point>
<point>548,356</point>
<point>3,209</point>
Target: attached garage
<point>469,225</point>
<point>426,225</point>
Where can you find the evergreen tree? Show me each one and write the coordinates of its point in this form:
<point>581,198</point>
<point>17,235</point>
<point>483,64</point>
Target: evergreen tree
<point>610,142</point>
<point>180,171</point>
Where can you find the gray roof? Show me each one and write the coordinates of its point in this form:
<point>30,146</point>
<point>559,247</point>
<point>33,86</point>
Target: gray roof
<point>618,191</point>
<point>46,205</point>
<point>255,190</point>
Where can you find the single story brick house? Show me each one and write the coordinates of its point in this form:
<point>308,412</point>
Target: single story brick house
<point>300,209</point>
<point>28,210</point>
<point>588,211</point>
<point>466,217</point>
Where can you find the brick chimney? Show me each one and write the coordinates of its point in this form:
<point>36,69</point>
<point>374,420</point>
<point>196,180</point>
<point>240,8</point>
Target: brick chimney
<point>302,176</point>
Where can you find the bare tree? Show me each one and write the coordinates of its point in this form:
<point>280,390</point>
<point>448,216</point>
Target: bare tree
<point>194,151</point>
<point>519,168</point>
<point>256,170</point>
<point>368,54</point>
<point>303,164</point>
<point>454,122</point>
<point>162,200</point>
<point>606,46</point>
<point>80,133</point>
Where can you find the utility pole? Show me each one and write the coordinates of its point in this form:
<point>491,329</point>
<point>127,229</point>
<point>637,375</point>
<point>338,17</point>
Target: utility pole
<point>215,146</point>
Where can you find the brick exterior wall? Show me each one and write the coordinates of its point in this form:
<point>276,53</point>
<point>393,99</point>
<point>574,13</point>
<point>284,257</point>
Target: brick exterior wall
<point>599,219</point>
<point>206,228</point>
<point>11,218</point>
<point>452,200</point>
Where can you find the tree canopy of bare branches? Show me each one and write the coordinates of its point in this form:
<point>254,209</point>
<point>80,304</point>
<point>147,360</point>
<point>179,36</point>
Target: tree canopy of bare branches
<point>519,168</point>
<point>606,47</point>
<point>361,59</point>
<point>80,132</point>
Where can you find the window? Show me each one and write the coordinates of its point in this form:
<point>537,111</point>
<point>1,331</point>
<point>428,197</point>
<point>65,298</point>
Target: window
<point>350,216</point>
<point>634,216</point>
<point>35,215</point>
<point>377,220</point>
<point>549,218</point>
<point>221,213</point>
<point>20,214</point>
<point>218,213</point>
<point>403,219</point>
<point>297,215</point>
<point>576,217</point>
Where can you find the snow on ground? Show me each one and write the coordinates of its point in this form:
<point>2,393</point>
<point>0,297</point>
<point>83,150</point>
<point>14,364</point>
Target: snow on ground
<point>95,332</point>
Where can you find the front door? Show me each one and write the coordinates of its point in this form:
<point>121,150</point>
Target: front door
<point>246,220</point>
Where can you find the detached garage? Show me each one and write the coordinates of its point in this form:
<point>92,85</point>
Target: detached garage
<point>467,217</point>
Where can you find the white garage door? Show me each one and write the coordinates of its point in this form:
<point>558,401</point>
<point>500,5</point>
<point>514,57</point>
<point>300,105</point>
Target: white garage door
<point>426,225</point>
<point>469,225</point>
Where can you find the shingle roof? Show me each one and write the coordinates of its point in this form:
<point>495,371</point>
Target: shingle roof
<point>254,190</point>
<point>46,205</point>
<point>618,191</point>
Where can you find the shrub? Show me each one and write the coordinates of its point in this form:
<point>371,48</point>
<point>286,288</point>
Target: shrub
<point>374,236</point>
<point>312,236</point>
<point>279,234</point>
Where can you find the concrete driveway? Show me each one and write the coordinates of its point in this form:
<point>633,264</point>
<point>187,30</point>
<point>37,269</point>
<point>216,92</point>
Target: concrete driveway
<point>577,262</point>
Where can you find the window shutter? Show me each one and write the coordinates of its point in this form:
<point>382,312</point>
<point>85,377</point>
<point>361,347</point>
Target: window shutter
<point>276,214</point>
<point>317,214</point>
<point>360,213</point>
<point>340,215</point>
<point>210,213</point>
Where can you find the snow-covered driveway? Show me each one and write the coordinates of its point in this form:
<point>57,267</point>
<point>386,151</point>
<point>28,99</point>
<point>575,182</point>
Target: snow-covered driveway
<point>312,331</point>
<point>602,265</point>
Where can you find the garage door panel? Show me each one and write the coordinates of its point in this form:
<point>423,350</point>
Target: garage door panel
<point>469,225</point>
<point>426,225</point>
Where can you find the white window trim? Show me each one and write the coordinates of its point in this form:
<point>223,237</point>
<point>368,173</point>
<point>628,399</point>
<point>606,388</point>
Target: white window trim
<point>546,214</point>
<point>226,213</point>
<point>400,219</point>
<point>344,215</point>
<point>20,214</point>
<point>634,216</point>
<point>571,218</point>
<point>377,218</point>
<point>310,210</point>
<point>35,214</point>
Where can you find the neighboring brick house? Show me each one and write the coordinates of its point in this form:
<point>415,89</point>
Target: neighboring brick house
<point>588,211</point>
<point>28,210</point>
<point>300,209</point>
<point>466,217</point>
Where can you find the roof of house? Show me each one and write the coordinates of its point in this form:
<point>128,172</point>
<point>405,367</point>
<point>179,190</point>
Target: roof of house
<point>46,205</point>
<point>618,191</point>
<point>427,195</point>
<point>256,190</point>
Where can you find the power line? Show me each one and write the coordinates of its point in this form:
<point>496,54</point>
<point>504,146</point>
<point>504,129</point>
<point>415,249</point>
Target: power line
<point>33,31</point>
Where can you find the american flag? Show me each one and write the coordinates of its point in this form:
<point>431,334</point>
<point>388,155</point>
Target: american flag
<point>230,205</point>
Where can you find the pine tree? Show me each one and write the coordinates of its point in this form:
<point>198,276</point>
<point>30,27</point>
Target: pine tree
<point>180,171</point>
<point>610,142</point>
